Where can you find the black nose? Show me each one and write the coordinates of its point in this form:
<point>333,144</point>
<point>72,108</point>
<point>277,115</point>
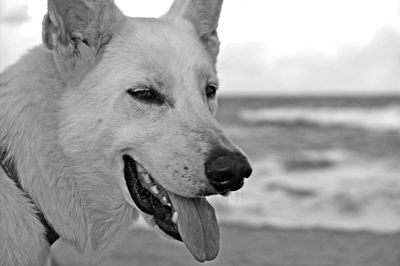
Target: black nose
<point>226,170</point>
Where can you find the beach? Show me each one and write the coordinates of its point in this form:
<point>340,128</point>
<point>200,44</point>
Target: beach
<point>243,246</point>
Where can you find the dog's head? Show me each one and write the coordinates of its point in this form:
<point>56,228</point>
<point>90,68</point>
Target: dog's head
<point>139,106</point>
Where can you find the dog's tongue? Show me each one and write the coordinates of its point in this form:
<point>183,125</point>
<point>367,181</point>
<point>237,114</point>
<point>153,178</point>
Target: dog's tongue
<point>197,226</point>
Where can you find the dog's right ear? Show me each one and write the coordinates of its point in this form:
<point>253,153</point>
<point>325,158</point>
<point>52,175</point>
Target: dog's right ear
<point>71,23</point>
<point>204,16</point>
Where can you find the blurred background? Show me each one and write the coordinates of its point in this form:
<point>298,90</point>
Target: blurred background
<point>311,92</point>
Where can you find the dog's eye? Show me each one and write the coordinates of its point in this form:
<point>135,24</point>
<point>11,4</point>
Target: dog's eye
<point>146,95</point>
<point>211,90</point>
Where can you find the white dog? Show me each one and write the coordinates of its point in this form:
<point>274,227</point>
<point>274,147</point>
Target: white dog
<point>111,117</point>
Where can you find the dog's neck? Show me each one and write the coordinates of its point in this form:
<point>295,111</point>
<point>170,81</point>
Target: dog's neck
<point>8,166</point>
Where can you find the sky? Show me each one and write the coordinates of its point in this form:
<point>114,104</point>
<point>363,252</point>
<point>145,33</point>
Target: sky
<point>271,47</point>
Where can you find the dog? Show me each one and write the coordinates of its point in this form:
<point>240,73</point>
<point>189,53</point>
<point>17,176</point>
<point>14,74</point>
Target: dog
<point>113,117</point>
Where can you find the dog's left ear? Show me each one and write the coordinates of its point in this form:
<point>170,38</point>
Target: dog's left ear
<point>204,16</point>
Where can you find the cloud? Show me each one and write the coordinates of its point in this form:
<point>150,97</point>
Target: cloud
<point>20,29</point>
<point>371,69</point>
<point>15,16</point>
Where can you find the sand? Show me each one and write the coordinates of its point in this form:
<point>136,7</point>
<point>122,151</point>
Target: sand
<point>255,247</point>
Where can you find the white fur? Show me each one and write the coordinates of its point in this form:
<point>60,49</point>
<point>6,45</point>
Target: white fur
<point>67,120</point>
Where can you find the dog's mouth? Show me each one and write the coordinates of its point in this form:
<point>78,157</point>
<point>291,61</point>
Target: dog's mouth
<point>191,220</point>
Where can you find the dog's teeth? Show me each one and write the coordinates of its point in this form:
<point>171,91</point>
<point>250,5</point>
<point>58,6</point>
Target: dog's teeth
<point>166,201</point>
<point>154,189</point>
<point>175,217</point>
<point>146,178</point>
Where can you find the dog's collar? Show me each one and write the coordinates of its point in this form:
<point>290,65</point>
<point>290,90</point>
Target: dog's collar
<point>7,163</point>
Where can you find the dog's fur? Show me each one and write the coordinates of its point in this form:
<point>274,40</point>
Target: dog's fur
<point>66,119</point>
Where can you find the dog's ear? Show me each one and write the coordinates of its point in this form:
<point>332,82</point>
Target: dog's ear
<point>76,22</point>
<point>204,15</point>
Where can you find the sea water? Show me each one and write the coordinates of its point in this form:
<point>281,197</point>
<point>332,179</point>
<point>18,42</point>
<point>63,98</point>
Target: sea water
<point>318,162</point>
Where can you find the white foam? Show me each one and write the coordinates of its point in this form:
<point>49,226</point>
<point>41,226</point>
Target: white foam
<point>384,118</point>
<point>349,197</point>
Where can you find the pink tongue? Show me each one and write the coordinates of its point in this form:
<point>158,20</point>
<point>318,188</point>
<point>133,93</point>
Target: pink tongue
<point>197,226</point>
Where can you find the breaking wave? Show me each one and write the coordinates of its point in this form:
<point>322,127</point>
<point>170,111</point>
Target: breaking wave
<point>350,196</point>
<point>374,118</point>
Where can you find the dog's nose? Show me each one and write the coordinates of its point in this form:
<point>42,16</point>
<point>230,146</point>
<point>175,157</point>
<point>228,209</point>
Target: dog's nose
<point>226,170</point>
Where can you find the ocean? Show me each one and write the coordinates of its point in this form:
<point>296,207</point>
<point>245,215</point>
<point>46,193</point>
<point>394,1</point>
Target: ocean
<point>318,162</point>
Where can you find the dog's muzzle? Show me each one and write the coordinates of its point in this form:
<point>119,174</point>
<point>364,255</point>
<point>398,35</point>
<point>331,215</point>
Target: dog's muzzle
<point>191,220</point>
<point>227,170</point>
